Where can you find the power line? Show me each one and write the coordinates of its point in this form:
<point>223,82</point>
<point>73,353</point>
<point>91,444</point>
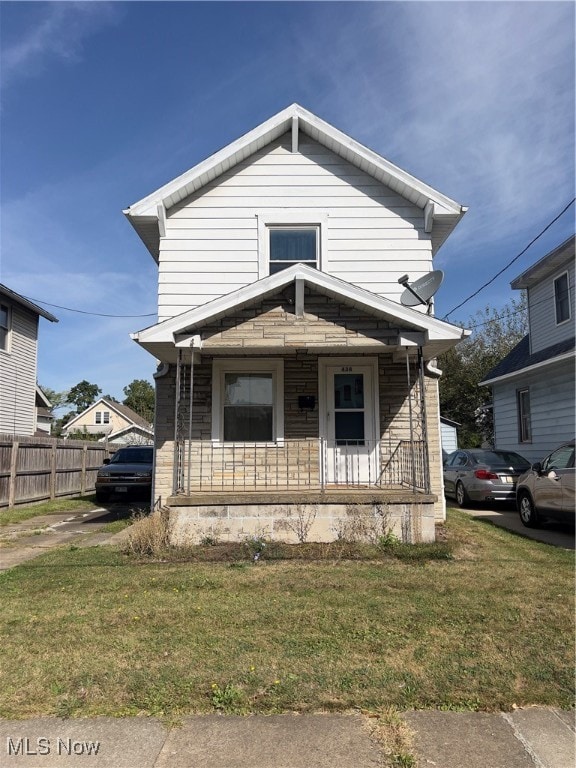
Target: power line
<point>547,227</point>
<point>83,312</point>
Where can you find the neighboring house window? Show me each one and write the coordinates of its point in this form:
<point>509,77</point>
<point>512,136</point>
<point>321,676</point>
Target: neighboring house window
<point>292,245</point>
<point>562,298</point>
<point>524,422</point>
<point>247,402</point>
<point>102,417</point>
<point>4,327</point>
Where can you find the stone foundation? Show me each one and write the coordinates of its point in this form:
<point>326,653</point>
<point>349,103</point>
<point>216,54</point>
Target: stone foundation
<point>291,522</point>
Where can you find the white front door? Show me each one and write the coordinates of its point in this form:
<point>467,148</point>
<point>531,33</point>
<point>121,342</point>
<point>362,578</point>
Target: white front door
<point>350,445</point>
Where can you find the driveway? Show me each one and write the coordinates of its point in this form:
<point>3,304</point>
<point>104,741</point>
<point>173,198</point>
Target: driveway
<point>24,541</point>
<point>506,516</point>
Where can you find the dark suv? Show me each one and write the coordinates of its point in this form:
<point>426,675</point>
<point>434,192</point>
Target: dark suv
<point>127,473</point>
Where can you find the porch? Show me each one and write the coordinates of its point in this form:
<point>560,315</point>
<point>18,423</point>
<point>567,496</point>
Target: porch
<point>299,490</point>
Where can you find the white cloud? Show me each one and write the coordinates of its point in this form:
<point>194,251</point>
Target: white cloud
<point>59,32</point>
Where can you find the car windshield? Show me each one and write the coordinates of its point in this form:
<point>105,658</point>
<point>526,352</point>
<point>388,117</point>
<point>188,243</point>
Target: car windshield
<point>132,456</point>
<point>500,458</point>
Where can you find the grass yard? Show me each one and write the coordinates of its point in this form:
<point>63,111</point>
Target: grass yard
<point>96,632</point>
<point>24,512</point>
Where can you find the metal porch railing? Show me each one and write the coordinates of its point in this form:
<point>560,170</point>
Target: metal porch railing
<point>314,464</point>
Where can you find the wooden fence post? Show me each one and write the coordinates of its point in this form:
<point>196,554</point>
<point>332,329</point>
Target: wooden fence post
<point>83,475</point>
<point>53,463</point>
<point>13,466</point>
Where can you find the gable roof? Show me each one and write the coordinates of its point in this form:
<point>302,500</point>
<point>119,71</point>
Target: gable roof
<point>441,212</point>
<point>519,360</point>
<point>553,261</point>
<point>160,339</point>
<point>120,408</point>
<point>13,296</point>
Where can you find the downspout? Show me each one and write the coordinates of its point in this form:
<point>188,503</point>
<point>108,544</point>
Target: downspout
<point>161,371</point>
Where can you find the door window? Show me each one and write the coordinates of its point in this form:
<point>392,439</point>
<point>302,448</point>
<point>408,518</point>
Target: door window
<point>349,428</point>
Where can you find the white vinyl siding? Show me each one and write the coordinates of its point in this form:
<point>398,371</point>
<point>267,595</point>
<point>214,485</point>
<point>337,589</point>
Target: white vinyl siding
<point>18,374</point>
<point>211,246</point>
<point>544,330</point>
<point>551,405</point>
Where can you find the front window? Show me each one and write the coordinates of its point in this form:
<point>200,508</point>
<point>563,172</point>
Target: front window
<point>247,401</point>
<point>524,421</point>
<point>562,298</point>
<point>248,407</point>
<point>102,417</point>
<point>292,245</point>
<point>4,326</point>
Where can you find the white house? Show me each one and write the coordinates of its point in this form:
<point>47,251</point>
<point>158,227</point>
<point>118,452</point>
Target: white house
<point>533,388</point>
<point>19,321</point>
<point>291,379</point>
<point>114,422</point>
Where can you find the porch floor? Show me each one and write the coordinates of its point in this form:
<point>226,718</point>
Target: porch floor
<point>340,495</point>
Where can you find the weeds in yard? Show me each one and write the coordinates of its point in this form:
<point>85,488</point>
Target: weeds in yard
<point>229,700</point>
<point>149,534</point>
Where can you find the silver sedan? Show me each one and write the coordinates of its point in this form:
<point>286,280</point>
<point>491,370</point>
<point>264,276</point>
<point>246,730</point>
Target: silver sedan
<point>478,475</point>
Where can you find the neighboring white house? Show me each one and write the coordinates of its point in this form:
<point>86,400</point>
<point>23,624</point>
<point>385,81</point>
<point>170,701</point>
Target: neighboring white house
<point>114,422</point>
<point>19,321</point>
<point>449,434</point>
<point>533,388</point>
<point>44,417</point>
<point>292,380</point>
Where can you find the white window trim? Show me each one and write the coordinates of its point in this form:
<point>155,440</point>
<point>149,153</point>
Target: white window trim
<point>561,322</point>
<point>102,415</point>
<point>7,349</point>
<point>524,417</point>
<point>304,219</point>
<point>223,366</point>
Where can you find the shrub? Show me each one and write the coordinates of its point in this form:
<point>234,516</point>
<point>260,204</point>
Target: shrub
<point>149,534</point>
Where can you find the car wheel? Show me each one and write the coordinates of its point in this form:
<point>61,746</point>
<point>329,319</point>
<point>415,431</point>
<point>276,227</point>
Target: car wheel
<point>101,497</point>
<point>462,498</point>
<point>528,514</point>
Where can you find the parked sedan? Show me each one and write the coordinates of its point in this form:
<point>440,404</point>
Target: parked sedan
<point>477,475</point>
<point>547,489</point>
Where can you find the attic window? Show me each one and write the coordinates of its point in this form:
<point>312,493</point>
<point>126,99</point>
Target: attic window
<point>102,417</point>
<point>562,298</point>
<point>293,245</point>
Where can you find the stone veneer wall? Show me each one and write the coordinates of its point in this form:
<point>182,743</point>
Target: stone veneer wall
<point>410,522</point>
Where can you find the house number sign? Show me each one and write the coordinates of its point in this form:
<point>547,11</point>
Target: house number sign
<point>346,369</point>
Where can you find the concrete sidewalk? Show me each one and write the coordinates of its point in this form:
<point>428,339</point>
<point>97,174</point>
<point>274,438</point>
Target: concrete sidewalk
<point>530,738</point>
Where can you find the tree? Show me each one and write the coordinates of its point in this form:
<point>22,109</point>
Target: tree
<point>495,334</point>
<point>140,397</point>
<point>83,395</point>
<point>57,399</point>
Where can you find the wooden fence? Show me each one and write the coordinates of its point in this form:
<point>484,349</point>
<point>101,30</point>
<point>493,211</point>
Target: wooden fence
<point>40,468</point>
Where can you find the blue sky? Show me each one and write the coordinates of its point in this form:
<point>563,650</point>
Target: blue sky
<point>102,103</point>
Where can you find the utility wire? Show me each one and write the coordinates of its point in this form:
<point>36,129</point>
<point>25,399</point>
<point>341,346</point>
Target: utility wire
<point>562,212</point>
<point>83,312</point>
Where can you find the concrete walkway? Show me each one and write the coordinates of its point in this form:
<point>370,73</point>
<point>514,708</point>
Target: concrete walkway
<point>529,738</point>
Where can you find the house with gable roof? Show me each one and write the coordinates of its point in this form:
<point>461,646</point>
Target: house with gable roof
<point>19,392</point>
<point>292,380</point>
<point>115,422</point>
<point>533,387</point>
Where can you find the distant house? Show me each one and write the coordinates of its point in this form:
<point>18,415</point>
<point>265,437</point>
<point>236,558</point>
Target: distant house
<point>114,422</point>
<point>44,417</point>
<point>293,380</point>
<point>533,388</point>
<point>19,321</point>
<point>448,434</point>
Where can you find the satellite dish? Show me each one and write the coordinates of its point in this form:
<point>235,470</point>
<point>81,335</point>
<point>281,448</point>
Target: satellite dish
<point>421,290</point>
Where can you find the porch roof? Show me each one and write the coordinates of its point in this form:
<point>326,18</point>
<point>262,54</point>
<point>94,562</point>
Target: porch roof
<point>410,328</point>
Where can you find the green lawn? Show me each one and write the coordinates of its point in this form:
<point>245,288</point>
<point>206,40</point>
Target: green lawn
<point>97,632</point>
<point>56,507</point>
